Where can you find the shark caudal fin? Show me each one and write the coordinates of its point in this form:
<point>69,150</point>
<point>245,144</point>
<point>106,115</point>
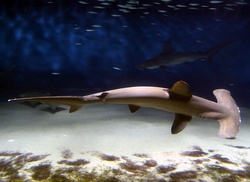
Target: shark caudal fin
<point>214,50</point>
<point>230,124</point>
<point>74,102</point>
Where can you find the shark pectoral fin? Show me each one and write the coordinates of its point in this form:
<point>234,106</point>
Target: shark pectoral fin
<point>133,108</point>
<point>180,122</point>
<point>74,108</point>
<point>180,90</point>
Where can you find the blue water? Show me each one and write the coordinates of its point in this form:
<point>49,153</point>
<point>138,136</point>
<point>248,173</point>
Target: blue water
<point>87,46</point>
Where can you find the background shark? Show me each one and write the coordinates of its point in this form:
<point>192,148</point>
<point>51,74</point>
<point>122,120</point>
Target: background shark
<point>168,57</point>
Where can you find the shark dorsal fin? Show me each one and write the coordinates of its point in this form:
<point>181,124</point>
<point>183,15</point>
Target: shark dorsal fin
<point>167,47</point>
<point>133,108</point>
<point>180,122</point>
<point>180,90</point>
<point>103,95</point>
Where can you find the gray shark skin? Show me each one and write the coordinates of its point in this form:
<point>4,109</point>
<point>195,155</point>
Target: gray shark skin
<point>169,58</point>
<point>178,99</point>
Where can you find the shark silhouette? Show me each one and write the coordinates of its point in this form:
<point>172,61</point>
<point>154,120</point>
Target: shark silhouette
<point>168,57</point>
<point>177,99</point>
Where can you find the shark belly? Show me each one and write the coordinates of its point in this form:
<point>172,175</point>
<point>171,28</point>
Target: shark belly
<point>159,99</point>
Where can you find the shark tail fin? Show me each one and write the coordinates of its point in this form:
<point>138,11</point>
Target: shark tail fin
<point>214,50</point>
<point>230,124</point>
<point>74,102</point>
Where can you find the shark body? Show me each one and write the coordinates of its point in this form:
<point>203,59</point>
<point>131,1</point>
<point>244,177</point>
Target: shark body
<point>178,99</point>
<point>168,57</point>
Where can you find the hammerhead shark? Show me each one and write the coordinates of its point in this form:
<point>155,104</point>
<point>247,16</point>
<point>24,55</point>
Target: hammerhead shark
<point>168,57</point>
<point>177,99</point>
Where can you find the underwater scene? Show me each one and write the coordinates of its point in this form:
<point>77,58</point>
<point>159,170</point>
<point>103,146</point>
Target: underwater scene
<point>124,90</point>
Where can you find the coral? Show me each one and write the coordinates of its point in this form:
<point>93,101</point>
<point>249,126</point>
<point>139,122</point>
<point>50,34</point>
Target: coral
<point>117,172</point>
<point>245,174</point>
<point>76,174</point>
<point>230,178</point>
<point>10,168</point>
<point>9,171</point>
<point>9,153</point>
<point>194,153</point>
<point>224,174</point>
<point>65,170</point>
<point>35,158</point>
<point>41,171</point>
<point>78,162</point>
<point>125,158</point>
<point>109,157</point>
<point>105,157</point>
<point>15,166</point>
<point>142,155</point>
<point>219,157</point>
<point>165,169</point>
<point>59,178</point>
<point>21,159</point>
<point>238,147</point>
<point>133,167</point>
<point>183,175</point>
<point>200,161</point>
<point>220,170</point>
<point>211,150</point>
<point>196,147</point>
<point>150,163</point>
<point>67,154</point>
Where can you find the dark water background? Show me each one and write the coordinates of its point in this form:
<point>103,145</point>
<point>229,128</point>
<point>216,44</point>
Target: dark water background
<point>78,47</point>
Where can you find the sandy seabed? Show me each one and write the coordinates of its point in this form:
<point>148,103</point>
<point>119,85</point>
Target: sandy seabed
<point>108,143</point>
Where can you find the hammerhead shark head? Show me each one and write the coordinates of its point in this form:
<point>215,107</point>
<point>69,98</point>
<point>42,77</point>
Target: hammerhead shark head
<point>178,99</point>
<point>168,57</point>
